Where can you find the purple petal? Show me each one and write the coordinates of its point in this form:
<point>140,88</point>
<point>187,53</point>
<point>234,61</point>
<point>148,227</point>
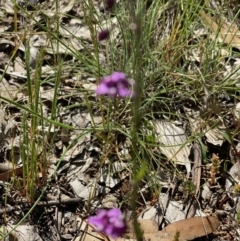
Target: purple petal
<point>114,212</point>
<point>98,223</point>
<point>118,76</point>
<point>123,92</point>
<point>114,232</point>
<point>115,85</point>
<point>101,213</point>
<point>102,89</point>
<point>109,229</point>
<point>119,224</point>
<point>112,91</point>
<point>110,222</point>
<point>105,79</point>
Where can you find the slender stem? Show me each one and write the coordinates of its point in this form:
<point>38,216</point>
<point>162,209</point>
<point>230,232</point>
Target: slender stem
<point>137,67</point>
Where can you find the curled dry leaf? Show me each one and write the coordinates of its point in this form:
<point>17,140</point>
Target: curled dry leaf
<point>188,229</point>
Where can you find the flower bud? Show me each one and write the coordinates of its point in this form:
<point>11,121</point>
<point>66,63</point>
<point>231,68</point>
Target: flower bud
<point>104,34</point>
<point>110,4</point>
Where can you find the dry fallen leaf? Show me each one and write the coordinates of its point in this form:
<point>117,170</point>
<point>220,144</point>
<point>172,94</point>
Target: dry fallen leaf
<point>224,32</point>
<point>192,228</point>
<point>6,90</point>
<point>148,226</point>
<point>188,229</point>
<point>173,143</point>
<point>24,233</point>
<point>214,135</point>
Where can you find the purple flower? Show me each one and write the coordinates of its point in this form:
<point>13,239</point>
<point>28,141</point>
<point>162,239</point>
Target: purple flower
<point>110,4</point>
<point>104,34</point>
<point>116,84</point>
<point>110,222</point>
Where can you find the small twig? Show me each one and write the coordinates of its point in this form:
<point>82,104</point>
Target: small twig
<point>196,169</point>
<point>7,173</point>
<point>42,203</point>
<point>196,178</point>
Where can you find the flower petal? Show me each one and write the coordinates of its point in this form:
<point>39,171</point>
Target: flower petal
<point>98,223</point>
<point>123,92</point>
<point>102,213</point>
<point>118,76</point>
<point>109,229</point>
<point>119,224</point>
<point>112,91</point>
<point>114,212</point>
<point>110,222</point>
<point>102,89</point>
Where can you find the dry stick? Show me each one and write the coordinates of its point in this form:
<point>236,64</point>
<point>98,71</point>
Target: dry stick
<point>57,219</point>
<point>196,178</point>
<point>56,223</point>
<point>42,204</point>
<point>196,174</point>
<point>196,169</point>
<point>7,173</point>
